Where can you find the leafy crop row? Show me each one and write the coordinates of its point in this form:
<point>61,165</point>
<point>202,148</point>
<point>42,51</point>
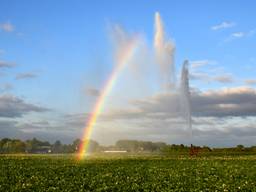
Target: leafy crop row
<point>63,173</point>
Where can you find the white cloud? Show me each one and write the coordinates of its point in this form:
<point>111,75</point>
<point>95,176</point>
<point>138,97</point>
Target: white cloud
<point>201,63</point>
<point>199,76</point>
<point>7,27</point>
<point>225,78</point>
<point>12,107</point>
<point>250,81</point>
<point>27,75</point>
<point>223,25</point>
<point>206,70</point>
<point>238,34</point>
<point>6,64</point>
<point>237,101</point>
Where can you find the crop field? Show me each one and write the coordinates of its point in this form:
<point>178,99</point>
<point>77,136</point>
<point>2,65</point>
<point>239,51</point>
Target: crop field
<point>130,173</point>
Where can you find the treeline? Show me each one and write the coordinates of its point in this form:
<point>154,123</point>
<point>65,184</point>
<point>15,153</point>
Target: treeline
<point>205,150</point>
<point>37,146</point>
<point>148,146</point>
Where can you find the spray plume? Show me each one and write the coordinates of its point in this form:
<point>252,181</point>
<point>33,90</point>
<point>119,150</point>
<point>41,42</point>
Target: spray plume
<point>164,52</point>
<point>185,95</point>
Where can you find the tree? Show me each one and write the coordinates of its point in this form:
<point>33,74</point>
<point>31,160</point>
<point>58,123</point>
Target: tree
<point>76,144</point>
<point>2,145</point>
<point>33,145</point>
<point>17,146</point>
<point>57,147</point>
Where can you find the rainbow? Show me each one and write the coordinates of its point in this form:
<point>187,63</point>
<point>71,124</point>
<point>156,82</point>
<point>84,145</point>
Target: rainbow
<point>123,59</point>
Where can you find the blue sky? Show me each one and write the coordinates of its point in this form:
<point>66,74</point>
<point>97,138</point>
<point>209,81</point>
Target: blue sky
<point>62,48</point>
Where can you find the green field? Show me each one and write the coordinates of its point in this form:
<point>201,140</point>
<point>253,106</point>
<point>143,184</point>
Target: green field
<point>130,173</point>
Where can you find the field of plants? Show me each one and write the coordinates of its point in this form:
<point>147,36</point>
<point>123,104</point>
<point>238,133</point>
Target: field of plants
<point>130,173</point>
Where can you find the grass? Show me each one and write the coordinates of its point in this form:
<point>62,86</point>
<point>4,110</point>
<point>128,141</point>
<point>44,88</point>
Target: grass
<point>127,173</point>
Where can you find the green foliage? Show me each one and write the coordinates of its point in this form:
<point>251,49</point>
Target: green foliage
<point>172,149</point>
<point>12,146</point>
<point>151,173</point>
<point>36,146</point>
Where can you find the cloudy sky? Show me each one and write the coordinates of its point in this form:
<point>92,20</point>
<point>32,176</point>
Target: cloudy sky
<point>56,57</point>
